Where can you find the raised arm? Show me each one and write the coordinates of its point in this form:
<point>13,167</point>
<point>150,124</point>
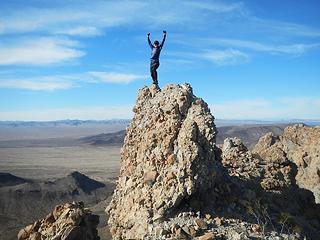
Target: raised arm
<point>149,42</point>
<point>164,38</point>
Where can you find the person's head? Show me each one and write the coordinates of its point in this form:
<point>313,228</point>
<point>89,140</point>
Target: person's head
<point>156,43</point>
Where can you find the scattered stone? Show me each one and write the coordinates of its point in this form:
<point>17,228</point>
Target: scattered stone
<point>201,224</point>
<point>171,159</point>
<point>207,236</point>
<point>150,176</point>
<point>256,228</point>
<point>49,218</point>
<point>181,234</point>
<point>218,221</point>
<point>25,232</point>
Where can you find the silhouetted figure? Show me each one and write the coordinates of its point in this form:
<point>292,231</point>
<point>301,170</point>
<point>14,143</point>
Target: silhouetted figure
<point>155,54</point>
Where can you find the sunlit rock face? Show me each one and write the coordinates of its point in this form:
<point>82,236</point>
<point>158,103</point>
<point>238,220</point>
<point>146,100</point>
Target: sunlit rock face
<point>168,155</point>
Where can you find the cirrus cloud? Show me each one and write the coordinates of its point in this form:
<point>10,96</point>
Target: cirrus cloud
<point>39,51</point>
<point>62,82</point>
<point>36,85</point>
<point>226,57</point>
<point>113,77</point>
<point>278,108</point>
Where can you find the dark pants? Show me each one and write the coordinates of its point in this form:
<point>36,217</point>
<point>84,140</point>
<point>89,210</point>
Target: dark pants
<point>153,70</point>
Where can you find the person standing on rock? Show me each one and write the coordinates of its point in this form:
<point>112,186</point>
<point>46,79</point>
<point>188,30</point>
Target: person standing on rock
<point>155,54</point>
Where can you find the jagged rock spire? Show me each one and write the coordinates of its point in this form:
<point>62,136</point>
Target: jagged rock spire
<point>168,156</point>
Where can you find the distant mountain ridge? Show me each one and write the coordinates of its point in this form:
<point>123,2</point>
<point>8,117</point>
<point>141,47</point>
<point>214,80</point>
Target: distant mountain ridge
<point>67,122</point>
<point>115,138</point>
<point>7,179</point>
<point>219,122</point>
<point>249,134</point>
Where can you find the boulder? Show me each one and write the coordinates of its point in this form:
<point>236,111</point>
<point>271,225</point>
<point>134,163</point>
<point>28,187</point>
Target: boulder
<point>70,221</point>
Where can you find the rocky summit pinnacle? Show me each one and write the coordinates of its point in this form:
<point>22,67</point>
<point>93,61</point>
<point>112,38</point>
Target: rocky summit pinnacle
<point>176,183</point>
<point>168,156</point>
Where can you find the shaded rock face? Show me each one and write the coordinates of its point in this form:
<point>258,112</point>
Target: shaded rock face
<point>168,156</point>
<point>268,186</point>
<point>85,183</point>
<point>300,145</point>
<point>69,221</point>
<point>7,179</point>
<point>272,171</point>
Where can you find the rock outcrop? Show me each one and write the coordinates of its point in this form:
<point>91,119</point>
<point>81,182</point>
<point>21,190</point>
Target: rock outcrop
<point>300,145</point>
<point>70,221</point>
<point>175,183</point>
<point>269,190</point>
<point>168,156</point>
<point>272,175</point>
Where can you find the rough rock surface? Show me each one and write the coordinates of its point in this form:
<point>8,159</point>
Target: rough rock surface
<point>175,183</point>
<point>273,174</point>
<point>168,155</point>
<point>69,221</point>
<point>300,145</point>
<point>269,193</point>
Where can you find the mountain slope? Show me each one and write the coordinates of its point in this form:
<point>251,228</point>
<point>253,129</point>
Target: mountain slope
<point>26,202</point>
<point>249,134</point>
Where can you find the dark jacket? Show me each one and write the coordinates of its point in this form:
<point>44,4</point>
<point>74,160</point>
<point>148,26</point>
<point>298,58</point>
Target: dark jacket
<point>155,52</point>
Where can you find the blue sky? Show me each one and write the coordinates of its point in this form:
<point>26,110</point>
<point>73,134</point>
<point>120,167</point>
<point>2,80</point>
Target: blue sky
<point>86,59</point>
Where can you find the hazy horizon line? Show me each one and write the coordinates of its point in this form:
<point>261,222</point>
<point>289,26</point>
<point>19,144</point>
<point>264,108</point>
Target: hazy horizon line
<point>129,119</point>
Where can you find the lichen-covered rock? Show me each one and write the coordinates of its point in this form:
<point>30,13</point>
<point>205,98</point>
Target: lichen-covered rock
<point>70,221</point>
<point>168,156</point>
<point>300,145</point>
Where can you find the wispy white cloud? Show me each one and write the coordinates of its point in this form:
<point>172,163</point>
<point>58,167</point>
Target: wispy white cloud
<point>36,85</point>
<point>283,28</point>
<point>90,18</point>
<point>67,17</point>
<point>283,108</point>
<point>226,57</point>
<point>291,49</point>
<point>113,77</point>
<point>62,82</point>
<point>89,112</point>
<point>221,57</point>
<point>80,31</point>
<point>39,51</point>
<point>217,7</point>
<point>236,51</point>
